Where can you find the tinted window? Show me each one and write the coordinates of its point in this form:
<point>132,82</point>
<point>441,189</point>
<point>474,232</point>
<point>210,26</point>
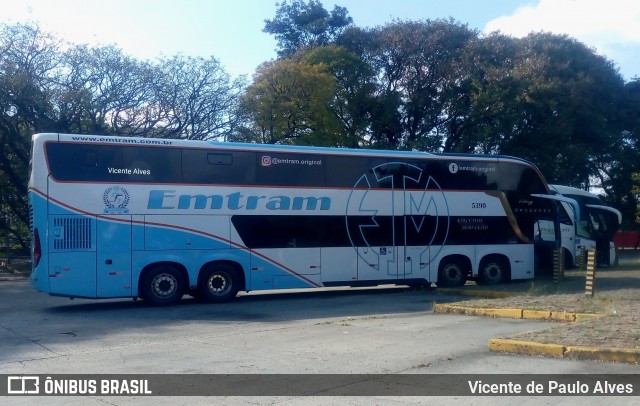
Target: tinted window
<point>149,164</point>
<point>290,169</point>
<point>81,162</point>
<point>113,163</point>
<point>347,171</point>
<point>458,174</point>
<point>222,168</point>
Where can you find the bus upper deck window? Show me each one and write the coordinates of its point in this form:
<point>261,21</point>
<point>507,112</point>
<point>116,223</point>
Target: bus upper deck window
<point>220,159</point>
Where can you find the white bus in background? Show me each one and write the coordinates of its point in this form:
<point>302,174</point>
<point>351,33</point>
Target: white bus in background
<point>155,218</point>
<point>586,223</point>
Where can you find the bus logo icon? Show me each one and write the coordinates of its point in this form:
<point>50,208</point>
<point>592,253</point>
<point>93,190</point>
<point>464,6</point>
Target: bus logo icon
<point>116,199</point>
<point>23,385</point>
<point>414,216</point>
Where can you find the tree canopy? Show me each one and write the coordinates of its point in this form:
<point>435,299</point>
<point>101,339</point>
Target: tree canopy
<point>300,24</point>
<point>48,86</point>
<point>430,85</point>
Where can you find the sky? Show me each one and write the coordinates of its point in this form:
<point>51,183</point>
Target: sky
<point>231,31</point>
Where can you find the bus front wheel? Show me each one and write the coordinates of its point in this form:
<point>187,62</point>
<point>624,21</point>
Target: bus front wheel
<point>218,283</point>
<point>162,285</point>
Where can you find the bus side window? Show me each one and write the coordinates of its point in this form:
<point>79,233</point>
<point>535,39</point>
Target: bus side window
<point>152,164</point>
<point>290,169</point>
<point>90,159</point>
<point>218,168</point>
<point>80,162</point>
<point>219,159</point>
<point>347,171</point>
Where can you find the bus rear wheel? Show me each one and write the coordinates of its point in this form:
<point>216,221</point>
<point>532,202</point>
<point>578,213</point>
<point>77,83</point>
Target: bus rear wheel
<point>162,285</point>
<point>218,283</point>
<point>452,273</point>
<point>493,271</point>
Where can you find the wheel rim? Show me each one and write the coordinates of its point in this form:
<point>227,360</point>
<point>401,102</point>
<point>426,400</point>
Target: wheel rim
<point>164,285</point>
<point>219,283</point>
<point>453,273</point>
<point>492,272</point>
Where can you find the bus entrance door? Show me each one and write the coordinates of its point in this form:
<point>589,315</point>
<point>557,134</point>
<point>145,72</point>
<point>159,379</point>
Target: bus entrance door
<point>378,263</point>
<point>416,264</point>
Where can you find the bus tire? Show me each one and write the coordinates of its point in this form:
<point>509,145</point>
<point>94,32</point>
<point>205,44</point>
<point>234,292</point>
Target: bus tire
<point>218,282</point>
<point>452,273</point>
<point>162,285</point>
<point>568,259</point>
<point>493,271</point>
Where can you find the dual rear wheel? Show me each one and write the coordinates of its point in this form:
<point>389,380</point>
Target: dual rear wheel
<point>493,271</point>
<point>165,284</point>
<point>218,283</point>
<point>454,271</point>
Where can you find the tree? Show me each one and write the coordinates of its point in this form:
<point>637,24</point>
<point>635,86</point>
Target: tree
<point>289,103</point>
<point>300,25</point>
<point>354,95</point>
<point>98,90</point>
<point>547,98</point>
<point>196,98</point>
<point>623,181</point>
<point>483,114</point>
<point>27,56</point>
<point>101,90</point>
<point>418,64</point>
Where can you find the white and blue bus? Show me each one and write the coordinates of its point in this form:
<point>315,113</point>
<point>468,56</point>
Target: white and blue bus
<point>586,223</point>
<point>116,217</point>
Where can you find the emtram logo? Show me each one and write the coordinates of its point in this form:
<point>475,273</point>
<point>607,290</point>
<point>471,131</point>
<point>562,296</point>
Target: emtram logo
<point>115,200</point>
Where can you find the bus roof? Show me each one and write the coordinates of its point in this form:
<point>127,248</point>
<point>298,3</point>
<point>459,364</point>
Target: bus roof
<point>569,190</point>
<point>274,148</point>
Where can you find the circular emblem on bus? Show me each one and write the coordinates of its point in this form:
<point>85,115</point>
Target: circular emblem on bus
<point>453,167</point>
<point>115,200</point>
<point>265,160</point>
<point>397,211</point>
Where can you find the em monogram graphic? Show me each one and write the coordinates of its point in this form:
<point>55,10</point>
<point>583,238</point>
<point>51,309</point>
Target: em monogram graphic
<point>395,212</point>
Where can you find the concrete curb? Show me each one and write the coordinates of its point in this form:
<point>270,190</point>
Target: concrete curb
<point>489,294</point>
<point>526,347</point>
<point>626,355</point>
<point>513,313</point>
<point>629,356</point>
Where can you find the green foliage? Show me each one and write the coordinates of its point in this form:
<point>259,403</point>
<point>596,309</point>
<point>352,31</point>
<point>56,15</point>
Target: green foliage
<point>300,24</point>
<point>354,93</point>
<point>45,87</point>
<point>536,96</point>
<point>289,103</point>
<point>432,85</point>
<point>439,86</point>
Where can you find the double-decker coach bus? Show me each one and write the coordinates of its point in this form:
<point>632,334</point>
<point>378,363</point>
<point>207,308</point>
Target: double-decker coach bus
<point>115,217</point>
<point>586,223</point>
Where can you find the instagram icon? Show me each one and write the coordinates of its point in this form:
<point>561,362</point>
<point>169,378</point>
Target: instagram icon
<point>265,161</point>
